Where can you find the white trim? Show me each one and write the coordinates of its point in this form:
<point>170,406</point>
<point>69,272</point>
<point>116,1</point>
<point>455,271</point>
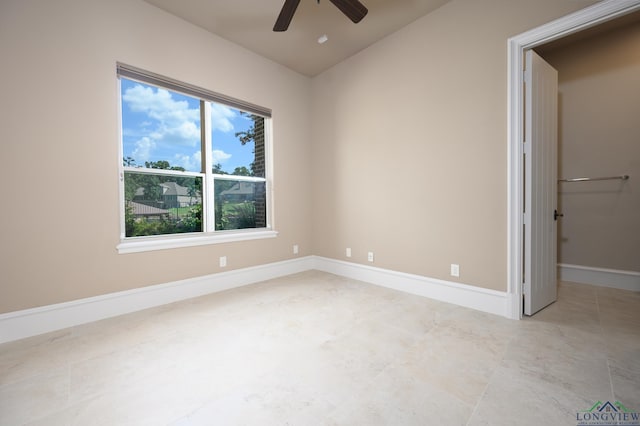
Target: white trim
<point>208,202</point>
<point>31,322</point>
<point>269,175</point>
<point>162,242</point>
<point>588,17</point>
<point>613,278</point>
<point>162,172</point>
<point>239,178</point>
<point>120,163</point>
<point>481,299</point>
<point>205,98</point>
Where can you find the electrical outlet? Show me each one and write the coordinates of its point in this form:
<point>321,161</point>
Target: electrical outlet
<point>370,256</point>
<point>223,261</point>
<point>455,270</point>
<point>296,249</point>
<point>348,252</point>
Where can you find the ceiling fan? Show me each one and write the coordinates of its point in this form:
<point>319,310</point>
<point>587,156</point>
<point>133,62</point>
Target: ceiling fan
<point>352,8</point>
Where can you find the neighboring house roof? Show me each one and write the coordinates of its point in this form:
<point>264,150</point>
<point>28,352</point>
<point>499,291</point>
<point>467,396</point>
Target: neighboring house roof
<point>139,192</point>
<point>172,188</point>
<point>240,188</point>
<point>144,210</point>
<point>169,188</point>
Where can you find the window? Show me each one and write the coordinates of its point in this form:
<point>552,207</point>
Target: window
<point>195,166</point>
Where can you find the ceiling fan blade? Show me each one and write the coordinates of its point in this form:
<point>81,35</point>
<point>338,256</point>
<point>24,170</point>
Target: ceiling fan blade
<point>286,15</point>
<point>352,8</point>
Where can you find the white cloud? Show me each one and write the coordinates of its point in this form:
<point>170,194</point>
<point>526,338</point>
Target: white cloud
<point>219,156</point>
<point>187,132</point>
<point>175,123</point>
<point>189,162</point>
<point>220,116</point>
<point>170,125</point>
<point>142,151</point>
<point>192,162</point>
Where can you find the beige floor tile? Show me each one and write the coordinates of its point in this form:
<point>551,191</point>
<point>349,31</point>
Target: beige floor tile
<point>626,386</point>
<point>569,292</point>
<point>35,397</point>
<point>563,357</point>
<point>319,349</point>
<point>398,397</point>
<point>455,360</point>
<point>623,349</point>
<point>365,350</point>
<point>512,398</point>
<point>156,402</point>
<point>416,315</point>
<point>35,356</point>
<point>268,401</point>
<point>575,315</point>
<point>118,370</point>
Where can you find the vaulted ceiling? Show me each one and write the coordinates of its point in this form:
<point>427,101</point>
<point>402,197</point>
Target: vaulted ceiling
<point>249,23</point>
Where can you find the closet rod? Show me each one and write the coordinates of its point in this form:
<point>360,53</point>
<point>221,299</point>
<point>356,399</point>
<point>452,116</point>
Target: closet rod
<point>586,179</point>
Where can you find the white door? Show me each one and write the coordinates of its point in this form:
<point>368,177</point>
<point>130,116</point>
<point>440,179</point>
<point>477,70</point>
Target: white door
<point>541,181</point>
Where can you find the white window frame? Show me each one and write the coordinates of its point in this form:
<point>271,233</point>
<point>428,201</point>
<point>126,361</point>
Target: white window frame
<point>209,235</point>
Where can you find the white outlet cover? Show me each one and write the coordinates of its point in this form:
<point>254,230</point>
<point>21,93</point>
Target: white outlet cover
<point>370,256</point>
<point>223,261</point>
<point>296,249</point>
<point>348,252</point>
<point>455,270</point>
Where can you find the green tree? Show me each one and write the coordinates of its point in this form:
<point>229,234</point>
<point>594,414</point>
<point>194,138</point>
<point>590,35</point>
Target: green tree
<point>217,169</point>
<point>248,135</point>
<point>252,135</point>
<point>245,216</point>
<point>162,164</point>
<point>241,171</point>
<point>192,222</point>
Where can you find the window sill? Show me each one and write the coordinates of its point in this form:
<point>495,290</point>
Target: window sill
<point>163,242</point>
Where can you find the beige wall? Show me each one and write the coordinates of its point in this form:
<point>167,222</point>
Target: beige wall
<point>59,219</point>
<point>599,85</point>
<point>408,144</point>
<point>410,149</point>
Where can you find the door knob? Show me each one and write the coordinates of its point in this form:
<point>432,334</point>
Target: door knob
<point>556,215</point>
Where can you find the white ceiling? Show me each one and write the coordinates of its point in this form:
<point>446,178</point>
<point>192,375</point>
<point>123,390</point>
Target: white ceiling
<point>249,23</point>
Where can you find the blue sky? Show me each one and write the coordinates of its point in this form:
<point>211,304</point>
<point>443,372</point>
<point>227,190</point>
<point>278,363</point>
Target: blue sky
<point>158,124</point>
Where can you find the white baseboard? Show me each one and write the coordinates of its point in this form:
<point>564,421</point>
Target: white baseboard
<point>481,299</point>
<point>613,278</point>
<point>31,322</point>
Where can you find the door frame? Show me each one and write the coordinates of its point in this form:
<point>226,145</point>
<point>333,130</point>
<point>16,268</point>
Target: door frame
<point>573,23</point>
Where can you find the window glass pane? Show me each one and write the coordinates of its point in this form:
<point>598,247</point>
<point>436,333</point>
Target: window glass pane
<point>160,128</point>
<point>169,151</point>
<point>237,142</point>
<point>162,204</point>
<point>240,204</point>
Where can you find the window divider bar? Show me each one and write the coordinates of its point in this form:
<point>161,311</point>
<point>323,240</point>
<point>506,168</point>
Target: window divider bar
<point>151,171</point>
<point>240,178</point>
<point>209,213</point>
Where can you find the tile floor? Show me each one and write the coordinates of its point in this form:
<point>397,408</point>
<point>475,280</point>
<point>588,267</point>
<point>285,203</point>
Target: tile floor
<point>317,349</point>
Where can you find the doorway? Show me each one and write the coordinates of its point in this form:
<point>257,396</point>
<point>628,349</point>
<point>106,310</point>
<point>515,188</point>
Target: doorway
<point>517,46</point>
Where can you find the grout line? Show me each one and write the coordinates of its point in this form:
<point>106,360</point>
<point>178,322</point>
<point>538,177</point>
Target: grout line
<point>495,371</point>
<point>482,395</point>
<point>613,395</point>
